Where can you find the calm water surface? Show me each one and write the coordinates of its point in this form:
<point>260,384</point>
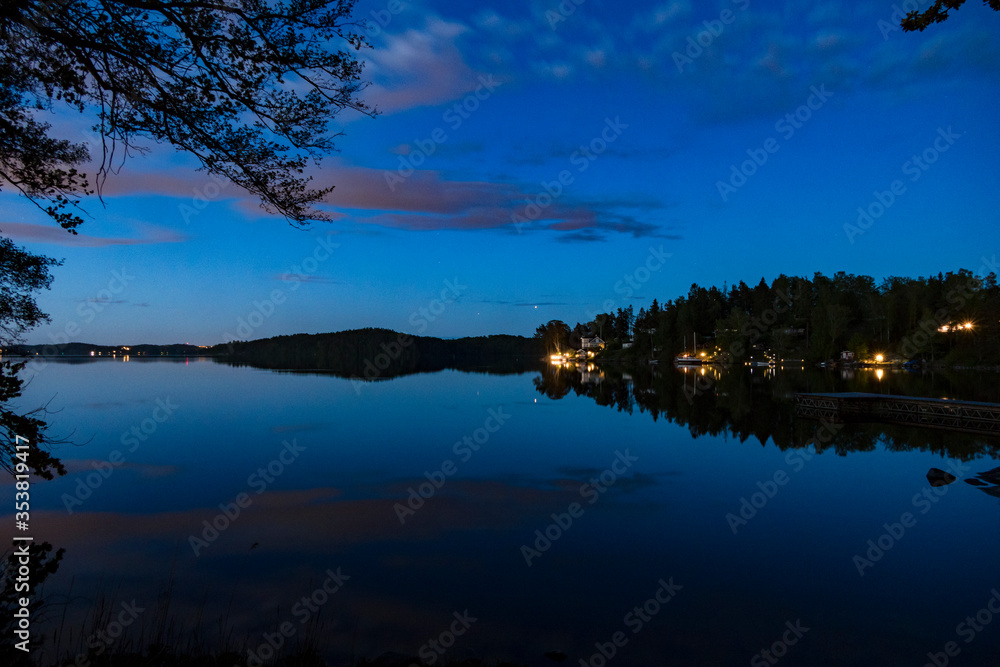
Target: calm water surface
<point>333,470</point>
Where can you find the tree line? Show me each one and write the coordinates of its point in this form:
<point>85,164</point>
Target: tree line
<point>950,317</point>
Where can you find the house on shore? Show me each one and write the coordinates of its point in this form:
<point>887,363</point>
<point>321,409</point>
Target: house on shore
<point>590,346</point>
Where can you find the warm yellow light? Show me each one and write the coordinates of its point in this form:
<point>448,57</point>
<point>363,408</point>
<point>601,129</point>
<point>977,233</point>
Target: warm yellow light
<point>878,358</point>
<point>879,373</point>
<point>702,354</point>
<point>968,325</point>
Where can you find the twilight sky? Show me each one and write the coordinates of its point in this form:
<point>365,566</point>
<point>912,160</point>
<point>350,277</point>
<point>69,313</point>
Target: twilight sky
<point>538,160</point>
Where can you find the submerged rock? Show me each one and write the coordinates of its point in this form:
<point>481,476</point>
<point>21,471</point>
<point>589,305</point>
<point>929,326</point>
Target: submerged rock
<point>938,477</point>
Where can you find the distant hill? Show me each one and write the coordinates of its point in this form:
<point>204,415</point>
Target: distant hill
<point>380,353</point>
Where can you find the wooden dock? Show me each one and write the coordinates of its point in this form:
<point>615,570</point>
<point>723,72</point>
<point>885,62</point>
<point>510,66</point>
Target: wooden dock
<point>968,416</point>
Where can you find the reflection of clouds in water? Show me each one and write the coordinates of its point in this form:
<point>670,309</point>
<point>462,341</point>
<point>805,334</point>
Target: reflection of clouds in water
<point>109,405</point>
<point>622,483</point>
<point>103,406</point>
<point>74,466</point>
<point>634,483</point>
<point>291,524</point>
<point>294,522</point>
<point>580,472</point>
<point>307,426</point>
<point>299,533</point>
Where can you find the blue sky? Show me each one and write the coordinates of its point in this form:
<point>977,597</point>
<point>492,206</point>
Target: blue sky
<point>537,160</point>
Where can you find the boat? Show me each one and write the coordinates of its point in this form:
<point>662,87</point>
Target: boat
<point>686,359</point>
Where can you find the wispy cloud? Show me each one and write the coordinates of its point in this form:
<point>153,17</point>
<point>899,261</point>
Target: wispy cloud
<point>304,278</point>
<point>21,231</point>
<point>104,300</point>
<point>419,67</point>
<point>428,202</point>
<point>524,304</point>
<point>584,236</point>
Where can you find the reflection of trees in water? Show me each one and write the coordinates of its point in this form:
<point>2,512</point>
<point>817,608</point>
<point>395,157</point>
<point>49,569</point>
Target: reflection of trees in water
<point>39,560</point>
<point>554,387</point>
<point>41,563</point>
<point>30,426</point>
<point>761,404</point>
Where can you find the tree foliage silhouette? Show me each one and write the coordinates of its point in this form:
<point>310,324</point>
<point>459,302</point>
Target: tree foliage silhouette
<point>248,87</point>
<point>936,13</point>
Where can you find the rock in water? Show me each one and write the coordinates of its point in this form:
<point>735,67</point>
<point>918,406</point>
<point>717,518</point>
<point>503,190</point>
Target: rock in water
<point>938,477</point>
<point>992,476</point>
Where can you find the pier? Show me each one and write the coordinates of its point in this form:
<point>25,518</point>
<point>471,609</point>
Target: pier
<point>969,416</point>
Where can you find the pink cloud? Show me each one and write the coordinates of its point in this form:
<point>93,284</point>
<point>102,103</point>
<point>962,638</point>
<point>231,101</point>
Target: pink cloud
<point>21,231</point>
<point>419,201</point>
<point>576,220</point>
<point>422,191</point>
<point>426,202</point>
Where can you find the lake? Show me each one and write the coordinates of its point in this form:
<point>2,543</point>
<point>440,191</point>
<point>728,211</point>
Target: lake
<point>626,518</point>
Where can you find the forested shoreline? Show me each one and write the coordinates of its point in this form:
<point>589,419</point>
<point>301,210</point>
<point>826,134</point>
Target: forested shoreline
<point>952,318</point>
